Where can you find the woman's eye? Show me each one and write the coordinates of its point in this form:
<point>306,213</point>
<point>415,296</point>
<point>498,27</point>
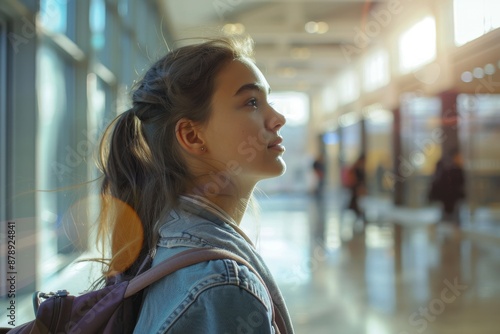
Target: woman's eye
<point>252,103</point>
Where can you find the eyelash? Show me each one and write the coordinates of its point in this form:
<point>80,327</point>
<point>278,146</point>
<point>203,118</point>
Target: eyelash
<point>253,102</point>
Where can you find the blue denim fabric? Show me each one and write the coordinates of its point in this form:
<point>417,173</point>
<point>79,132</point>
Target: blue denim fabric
<point>219,296</point>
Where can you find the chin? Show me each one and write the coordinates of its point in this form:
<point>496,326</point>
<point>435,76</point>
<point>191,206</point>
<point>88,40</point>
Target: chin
<point>283,169</point>
<point>278,170</point>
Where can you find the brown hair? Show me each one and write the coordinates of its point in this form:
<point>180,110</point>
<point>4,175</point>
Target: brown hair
<point>144,172</point>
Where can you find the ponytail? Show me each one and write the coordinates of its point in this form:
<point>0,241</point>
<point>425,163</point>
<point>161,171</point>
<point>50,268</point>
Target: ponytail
<point>126,193</point>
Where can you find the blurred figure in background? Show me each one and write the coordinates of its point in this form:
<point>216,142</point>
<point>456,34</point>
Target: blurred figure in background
<point>448,186</point>
<point>356,182</point>
<point>319,172</point>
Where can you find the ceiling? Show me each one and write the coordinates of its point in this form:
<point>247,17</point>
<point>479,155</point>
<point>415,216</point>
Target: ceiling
<point>290,57</point>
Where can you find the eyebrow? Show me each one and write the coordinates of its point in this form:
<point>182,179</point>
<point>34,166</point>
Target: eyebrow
<point>252,86</point>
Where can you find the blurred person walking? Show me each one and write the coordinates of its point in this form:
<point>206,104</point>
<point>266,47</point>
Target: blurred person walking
<point>448,187</point>
<point>319,169</point>
<point>356,182</point>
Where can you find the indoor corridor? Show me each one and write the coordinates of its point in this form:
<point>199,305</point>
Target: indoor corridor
<point>397,101</point>
<point>340,277</point>
<point>386,278</point>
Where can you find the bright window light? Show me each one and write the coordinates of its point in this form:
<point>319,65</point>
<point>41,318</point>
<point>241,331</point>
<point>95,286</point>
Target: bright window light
<point>53,15</point>
<point>417,46</point>
<point>348,87</point>
<point>474,18</point>
<point>376,70</point>
<point>293,105</point>
<point>329,98</point>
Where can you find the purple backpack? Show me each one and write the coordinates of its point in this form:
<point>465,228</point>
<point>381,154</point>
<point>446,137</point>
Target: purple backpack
<point>115,308</point>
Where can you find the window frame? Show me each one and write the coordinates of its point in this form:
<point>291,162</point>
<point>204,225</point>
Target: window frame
<point>3,112</point>
<point>3,143</point>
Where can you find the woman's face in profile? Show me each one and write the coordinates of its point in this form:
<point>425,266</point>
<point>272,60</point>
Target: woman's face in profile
<point>243,129</point>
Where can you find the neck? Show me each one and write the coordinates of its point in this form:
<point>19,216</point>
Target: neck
<point>234,203</point>
<point>235,207</point>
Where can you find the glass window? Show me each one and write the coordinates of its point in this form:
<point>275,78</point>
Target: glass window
<point>60,161</point>
<point>379,159</point>
<point>127,68</point>
<point>479,129</point>
<point>376,70</point>
<point>97,22</point>
<point>123,8</point>
<point>351,134</point>
<point>293,105</point>
<point>101,104</point>
<point>348,87</point>
<point>417,46</point>
<point>329,98</point>
<point>474,18</point>
<point>421,141</point>
<point>52,103</point>
<point>53,15</point>
<point>109,57</point>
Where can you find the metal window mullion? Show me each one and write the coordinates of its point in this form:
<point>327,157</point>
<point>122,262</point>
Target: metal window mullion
<point>3,152</point>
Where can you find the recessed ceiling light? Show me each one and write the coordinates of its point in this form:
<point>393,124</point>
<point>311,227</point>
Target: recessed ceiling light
<point>478,73</point>
<point>467,76</point>
<point>489,69</point>
<point>311,27</point>
<point>322,27</point>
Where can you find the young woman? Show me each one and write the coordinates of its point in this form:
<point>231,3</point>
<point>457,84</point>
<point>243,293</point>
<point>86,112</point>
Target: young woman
<point>179,170</point>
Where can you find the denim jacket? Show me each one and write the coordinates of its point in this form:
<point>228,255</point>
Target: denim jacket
<point>219,296</point>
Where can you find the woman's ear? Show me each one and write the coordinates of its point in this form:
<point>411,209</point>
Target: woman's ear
<point>189,136</point>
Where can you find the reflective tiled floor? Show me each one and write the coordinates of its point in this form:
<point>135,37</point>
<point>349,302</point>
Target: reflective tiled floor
<point>339,276</point>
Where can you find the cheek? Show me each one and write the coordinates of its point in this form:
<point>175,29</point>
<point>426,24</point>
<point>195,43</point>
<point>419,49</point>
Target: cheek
<point>233,143</point>
<point>243,136</point>
<point>237,135</point>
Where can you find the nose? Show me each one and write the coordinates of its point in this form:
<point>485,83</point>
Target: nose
<point>276,120</point>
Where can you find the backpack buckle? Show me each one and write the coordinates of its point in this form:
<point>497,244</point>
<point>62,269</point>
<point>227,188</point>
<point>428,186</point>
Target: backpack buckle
<point>38,296</point>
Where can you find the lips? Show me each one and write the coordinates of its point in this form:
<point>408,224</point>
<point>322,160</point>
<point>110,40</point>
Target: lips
<point>276,145</point>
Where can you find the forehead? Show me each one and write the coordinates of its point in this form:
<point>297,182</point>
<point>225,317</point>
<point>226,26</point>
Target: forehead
<point>238,73</point>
